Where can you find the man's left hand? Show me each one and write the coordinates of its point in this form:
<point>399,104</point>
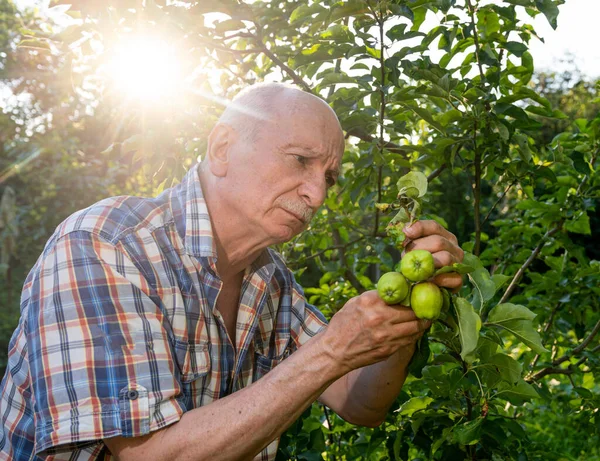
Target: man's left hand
<point>442,244</point>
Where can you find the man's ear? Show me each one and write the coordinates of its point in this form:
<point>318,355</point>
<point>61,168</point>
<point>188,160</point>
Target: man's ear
<point>218,151</point>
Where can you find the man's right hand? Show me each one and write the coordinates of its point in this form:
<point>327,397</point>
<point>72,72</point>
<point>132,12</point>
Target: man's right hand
<point>367,330</point>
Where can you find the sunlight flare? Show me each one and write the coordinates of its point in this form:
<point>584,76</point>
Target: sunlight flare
<point>145,68</point>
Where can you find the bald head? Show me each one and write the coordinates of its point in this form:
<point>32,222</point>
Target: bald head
<point>260,106</point>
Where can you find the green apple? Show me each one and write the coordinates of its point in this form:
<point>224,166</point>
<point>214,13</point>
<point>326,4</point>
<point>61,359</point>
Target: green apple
<point>406,301</point>
<point>392,287</point>
<point>417,265</point>
<point>426,300</point>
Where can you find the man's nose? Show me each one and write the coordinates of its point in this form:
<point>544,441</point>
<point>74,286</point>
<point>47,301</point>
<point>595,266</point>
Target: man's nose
<point>313,190</point>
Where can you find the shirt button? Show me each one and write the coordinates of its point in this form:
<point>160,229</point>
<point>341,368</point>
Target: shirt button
<point>132,395</point>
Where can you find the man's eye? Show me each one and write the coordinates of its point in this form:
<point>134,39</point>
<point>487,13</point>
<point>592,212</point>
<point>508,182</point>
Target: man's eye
<point>330,180</point>
<point>301,159</point>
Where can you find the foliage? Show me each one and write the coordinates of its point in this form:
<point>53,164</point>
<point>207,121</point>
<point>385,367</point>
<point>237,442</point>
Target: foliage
<point>443,87</point>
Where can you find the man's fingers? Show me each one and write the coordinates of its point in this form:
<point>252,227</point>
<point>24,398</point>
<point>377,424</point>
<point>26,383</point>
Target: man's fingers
<point>444,258</point>
<point>428,227</point>
<point>452,280</point>
<point>403,314</point>
<point>435,244</point>
<point>416,327</point>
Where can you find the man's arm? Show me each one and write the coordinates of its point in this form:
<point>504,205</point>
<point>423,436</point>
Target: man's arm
<point>365,395</point>
<point>240,425</point>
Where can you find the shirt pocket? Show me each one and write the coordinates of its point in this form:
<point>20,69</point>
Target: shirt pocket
<point>263,364</point>
<point>193,359</point>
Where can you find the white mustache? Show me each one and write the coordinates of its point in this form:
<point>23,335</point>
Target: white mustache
<point>304,212</point>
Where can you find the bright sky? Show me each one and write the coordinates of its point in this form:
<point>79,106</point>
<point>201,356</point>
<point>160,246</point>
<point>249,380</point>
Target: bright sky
<point>577,21</point>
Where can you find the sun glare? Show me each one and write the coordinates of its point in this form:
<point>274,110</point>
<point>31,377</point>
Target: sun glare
<point>145,68</point>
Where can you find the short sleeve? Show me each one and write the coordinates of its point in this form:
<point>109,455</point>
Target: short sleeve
<point>306,319</point>
<point>101,362</point>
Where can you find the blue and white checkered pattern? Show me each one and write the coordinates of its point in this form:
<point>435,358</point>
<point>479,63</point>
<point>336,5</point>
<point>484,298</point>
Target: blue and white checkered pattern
<point>119,332</point>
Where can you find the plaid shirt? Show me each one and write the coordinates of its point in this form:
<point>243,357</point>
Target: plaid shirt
<point>120,335</point>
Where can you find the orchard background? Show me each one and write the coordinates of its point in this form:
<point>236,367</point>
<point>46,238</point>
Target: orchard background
<point>445,87</point>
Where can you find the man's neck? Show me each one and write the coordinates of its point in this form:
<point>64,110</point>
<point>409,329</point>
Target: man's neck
<point>237,246</point>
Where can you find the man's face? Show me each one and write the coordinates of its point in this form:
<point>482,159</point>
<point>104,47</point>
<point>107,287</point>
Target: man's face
<point>280,180</point>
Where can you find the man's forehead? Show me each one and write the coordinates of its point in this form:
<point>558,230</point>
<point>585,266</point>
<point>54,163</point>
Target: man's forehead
<point>314,151</point>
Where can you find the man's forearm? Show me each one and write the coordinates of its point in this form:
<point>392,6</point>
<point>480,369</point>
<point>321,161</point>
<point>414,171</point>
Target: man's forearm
<point>238,426</point>
<point>373,389</point>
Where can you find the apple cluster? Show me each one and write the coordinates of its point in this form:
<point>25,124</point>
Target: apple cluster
<point>410,287</point>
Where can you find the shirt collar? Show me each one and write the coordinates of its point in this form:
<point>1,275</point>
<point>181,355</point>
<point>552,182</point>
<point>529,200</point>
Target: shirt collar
<point>192,222</point>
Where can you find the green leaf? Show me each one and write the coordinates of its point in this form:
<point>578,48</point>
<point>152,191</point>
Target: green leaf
<point>484,286</point>
<point>499,280</point>
<point>583,392</point>
<point>517,393</point>
<point>413,180</point>
<point>414,404</point>
<point>469,325</point>
<point>338,33</point>
<point>420,357</point>
<point>459,268</point>
<point>488,21</point>
<point>509,369</point>
<point>507,312</point>
<point>516,48</point>
<point>348,8</point>
<point>580,163</point>
<point>229,25</point>
<point>580,224</point>
<point>451,116</point>
<point>517,320</point>
<point>402,216</point>
<point>418,17</point>
<point>469,432</point>
<point>550,10</point>
<point>374,52</point>
<point>34,43</point>
<point>425,115</point>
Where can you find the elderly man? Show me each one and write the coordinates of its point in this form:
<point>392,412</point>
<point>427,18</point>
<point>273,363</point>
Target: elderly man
<point>165,328</point>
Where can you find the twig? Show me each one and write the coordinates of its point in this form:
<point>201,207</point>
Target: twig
<point>546,328</point>
<point>380,22</point>
<point>293,75</point>
<point>554,369</point>
<point>579,348</point>
<point>331,248</point>
<point>497,202</point>
<point>527,263</point>
<point>226,49</point>
<point>476,39</point>
<point>350,276</point>
<point>329,436</point>
<point>586,177</point>
<point>434,174</point>
<point>477,192</point>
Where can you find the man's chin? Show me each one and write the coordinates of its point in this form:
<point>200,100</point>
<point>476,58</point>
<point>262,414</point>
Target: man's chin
<point>285,233</point>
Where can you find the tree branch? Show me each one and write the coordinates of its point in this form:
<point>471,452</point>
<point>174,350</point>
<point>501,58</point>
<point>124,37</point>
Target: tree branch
<point>477,192</point>
<point>331,248</point>
<point>497,202</point>
<point>293,75</point>
<point>549,371</point>
<point>434,174</point>
<point>527,263</point>
<point>350,276</point>
<point>579,348</point>
<point>546,328</point>
<point>329,437</point>
<point>554,368</point>
<point>475,38</point>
